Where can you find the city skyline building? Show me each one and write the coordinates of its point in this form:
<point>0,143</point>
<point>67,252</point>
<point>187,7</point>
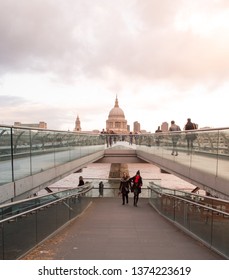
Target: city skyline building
<point>41,124</point>
<point>77,124</point>
<point>165,126</point>
<point>136,127</point>
<point>116,121</point>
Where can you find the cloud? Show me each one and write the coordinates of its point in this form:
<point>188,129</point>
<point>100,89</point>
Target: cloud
<point>11,101</point>
<point>80,54</point>
<point>105,40</point>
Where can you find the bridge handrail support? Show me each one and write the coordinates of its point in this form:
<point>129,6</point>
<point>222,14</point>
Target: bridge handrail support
<point>81,191</point>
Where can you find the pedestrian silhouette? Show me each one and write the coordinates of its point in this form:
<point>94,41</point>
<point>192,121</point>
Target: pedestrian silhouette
<point>190,136</point>
<point>158,138</point>
<point>136,182</point>
<point>124,188</point>
<point>175,137</point>
<point>101,186</point>
<point>81,181</point>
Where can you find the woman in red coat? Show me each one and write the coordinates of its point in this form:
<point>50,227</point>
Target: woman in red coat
<point>137,184</point>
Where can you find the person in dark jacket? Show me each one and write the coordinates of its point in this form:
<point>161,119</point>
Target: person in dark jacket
<point>101,186</point>
<point>190,137</point>
<point>136,185</point>
<point>158,137</point>
<point>81,181</point>
<point>124,187</point>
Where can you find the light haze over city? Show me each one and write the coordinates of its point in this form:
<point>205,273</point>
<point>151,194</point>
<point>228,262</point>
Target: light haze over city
<point>165,60</point>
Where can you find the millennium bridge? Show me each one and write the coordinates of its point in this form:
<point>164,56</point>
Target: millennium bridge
<point>170,224</point>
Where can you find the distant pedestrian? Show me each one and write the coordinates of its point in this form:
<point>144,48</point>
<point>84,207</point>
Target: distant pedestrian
<point>175,137</point>
<point>101,186</point>
<point>190,136</point>
<point>81,181</point>
<point>131,138</point>
<point>107,138</point>
<point>110,138</point>
<point>136,182</point>
<point>158,138</point>
<point>158,129</point>
<point>124,187</point>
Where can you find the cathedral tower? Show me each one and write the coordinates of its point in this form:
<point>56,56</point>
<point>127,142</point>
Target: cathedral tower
<point>116,121</point>
<point>77,125</point>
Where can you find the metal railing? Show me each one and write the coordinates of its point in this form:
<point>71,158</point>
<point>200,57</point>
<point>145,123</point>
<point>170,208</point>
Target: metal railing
<point>26,151</point>
<point>198,156</point>
<point>203,217</point>
<point>27,223</point>
<point>111,187</point>
<point>203,141</point>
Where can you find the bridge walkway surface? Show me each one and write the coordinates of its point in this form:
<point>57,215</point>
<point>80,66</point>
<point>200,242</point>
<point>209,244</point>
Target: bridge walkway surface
<point>108,230</point>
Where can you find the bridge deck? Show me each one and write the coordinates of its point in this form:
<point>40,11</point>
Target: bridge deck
<point>111,231</point>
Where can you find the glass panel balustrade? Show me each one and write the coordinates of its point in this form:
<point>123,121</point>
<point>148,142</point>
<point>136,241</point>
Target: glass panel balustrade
<point>202,156</point>
<point>24,227</point>
<point>204,217</point>
<point>25,151</point>
<point>6,155</point>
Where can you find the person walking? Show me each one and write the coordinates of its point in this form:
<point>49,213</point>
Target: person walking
<point>136,186</point>
<point>124,188</point>
<point>131,138</point>
<point>158,138</point>
<point>190,137</point>
<point>175,137</point>
<point>101,186</point>
<point>81,181</point>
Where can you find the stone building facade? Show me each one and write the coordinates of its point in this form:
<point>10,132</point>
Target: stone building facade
<point>77,125</point>
<point>42,125</point>
<point>116,121</point>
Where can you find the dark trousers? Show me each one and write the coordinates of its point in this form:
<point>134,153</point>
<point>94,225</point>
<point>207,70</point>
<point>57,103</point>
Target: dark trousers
<point>190,138</point>
<point>190,145</point>
<point>124,198</point>
<point>136,195</point>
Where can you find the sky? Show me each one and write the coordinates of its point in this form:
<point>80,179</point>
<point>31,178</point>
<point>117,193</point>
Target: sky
<point>164,60</point>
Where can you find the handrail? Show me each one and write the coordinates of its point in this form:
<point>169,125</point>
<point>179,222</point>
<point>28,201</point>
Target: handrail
<point>194,203</point>
<point>205,222</point>
<point>46,205</point>
<point>93,133</point>
<point>40,196</point>
<point>198,196</point>
<point>45,129</point>
<point>69,146</point>
<point>23,231</point>
<point>69,193</point>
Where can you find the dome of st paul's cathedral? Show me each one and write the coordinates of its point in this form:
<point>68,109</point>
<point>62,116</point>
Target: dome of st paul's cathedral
<point>116,120</point>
